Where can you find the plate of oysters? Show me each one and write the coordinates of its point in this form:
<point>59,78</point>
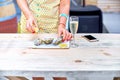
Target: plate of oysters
<point>50,43</point>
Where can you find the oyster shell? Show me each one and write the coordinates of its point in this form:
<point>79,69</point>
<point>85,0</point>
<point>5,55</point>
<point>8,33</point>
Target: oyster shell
<point>38,42</point>
<point>58,41</point>
<point>48,40</point>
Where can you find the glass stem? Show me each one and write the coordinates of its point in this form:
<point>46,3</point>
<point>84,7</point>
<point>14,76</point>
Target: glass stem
<point>73,38</point>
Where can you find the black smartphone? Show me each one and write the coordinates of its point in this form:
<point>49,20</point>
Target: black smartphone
<point>90,38</point>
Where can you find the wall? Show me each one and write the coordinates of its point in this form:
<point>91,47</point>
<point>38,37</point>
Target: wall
<point>106,5</point>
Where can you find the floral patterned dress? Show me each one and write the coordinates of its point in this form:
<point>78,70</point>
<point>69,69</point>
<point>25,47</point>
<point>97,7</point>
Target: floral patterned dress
<point>46,13</point>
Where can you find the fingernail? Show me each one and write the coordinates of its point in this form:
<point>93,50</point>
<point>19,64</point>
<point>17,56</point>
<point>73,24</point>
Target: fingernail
<point>33,32</point>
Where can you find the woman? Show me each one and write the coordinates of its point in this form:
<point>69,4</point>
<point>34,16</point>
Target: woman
<point>49,16</point>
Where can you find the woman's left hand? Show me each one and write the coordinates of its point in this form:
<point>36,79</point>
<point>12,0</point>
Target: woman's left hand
<point>63,32</point>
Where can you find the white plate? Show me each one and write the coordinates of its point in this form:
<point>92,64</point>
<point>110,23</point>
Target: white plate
<point>42,46</point>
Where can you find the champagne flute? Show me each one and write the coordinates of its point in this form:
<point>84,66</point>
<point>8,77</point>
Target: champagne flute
<point>73,28</point>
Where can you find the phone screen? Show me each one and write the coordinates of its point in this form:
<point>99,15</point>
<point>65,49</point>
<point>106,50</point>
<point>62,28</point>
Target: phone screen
<point>90,37</point>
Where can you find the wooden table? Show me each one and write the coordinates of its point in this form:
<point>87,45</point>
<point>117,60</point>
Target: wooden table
<point>91,60</point>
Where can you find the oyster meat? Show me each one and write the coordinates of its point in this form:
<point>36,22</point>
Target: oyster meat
<point>48,40</point>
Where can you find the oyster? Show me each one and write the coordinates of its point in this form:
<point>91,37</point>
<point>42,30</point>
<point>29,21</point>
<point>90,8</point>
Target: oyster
<point>48,40</point>
<point>58,41</point>
<point>38,42</point>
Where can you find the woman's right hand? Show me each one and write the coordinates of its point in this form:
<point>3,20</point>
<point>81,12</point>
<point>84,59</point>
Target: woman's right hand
<point>31,24</point>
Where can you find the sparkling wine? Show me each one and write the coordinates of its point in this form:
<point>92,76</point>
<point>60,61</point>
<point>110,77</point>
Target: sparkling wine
<point>73,27</point>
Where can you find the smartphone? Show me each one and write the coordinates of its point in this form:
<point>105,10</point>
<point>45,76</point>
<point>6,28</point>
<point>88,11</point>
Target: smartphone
<point>90,38</point>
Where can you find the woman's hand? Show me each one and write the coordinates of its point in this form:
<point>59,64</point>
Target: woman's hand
<point>63,32</point>
<point>31,24</point>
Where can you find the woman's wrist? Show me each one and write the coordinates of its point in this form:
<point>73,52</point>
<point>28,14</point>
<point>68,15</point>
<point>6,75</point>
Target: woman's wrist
<point>62,25</point>
<point>29,15</point>
<point>64,15</point>
<point>63,19</point>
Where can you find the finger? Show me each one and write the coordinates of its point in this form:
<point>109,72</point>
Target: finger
<point>67,35</point>
<point>32,26</point>
<point>36,25</point>
<point>59,33</point>
<point>70,36</point>
<point>28,27</point>
<point>30,30</point>
<point>64,35</point>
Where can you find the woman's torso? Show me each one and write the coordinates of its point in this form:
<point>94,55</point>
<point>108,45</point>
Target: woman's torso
<point>46,12</point>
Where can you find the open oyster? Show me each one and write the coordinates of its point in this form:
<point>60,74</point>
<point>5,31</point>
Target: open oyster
<point>38,42</point>
<point>58,41</point>
<point>48,40</point>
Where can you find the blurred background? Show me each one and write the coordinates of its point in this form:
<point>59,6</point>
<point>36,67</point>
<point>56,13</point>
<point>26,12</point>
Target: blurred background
<point>95,16</point>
